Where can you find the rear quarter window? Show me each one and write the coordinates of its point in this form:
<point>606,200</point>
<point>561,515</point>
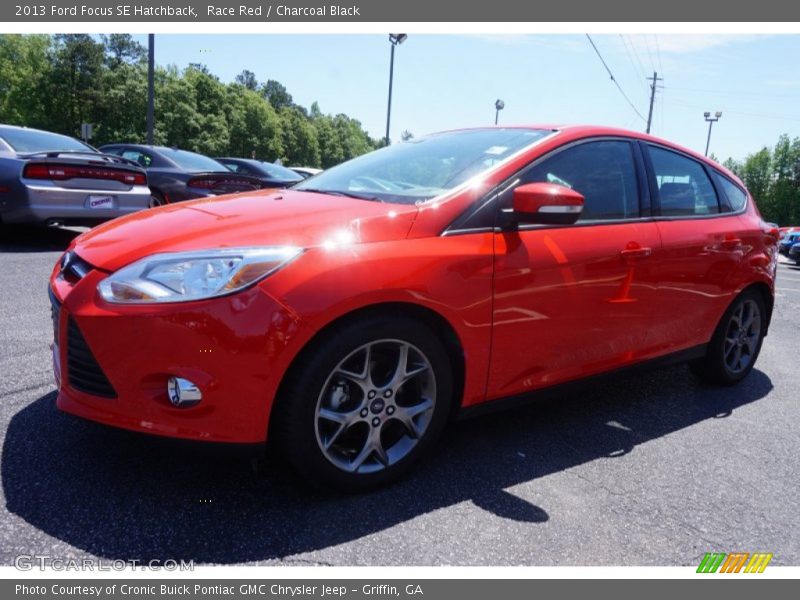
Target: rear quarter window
<point>736,195</point>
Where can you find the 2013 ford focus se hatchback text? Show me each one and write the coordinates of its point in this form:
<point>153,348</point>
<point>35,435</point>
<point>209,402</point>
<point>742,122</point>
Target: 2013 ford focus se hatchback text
<point>348,318</point>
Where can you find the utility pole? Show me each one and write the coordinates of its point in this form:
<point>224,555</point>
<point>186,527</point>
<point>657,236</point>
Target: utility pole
<point>150,87</point>
<point>655,79</point>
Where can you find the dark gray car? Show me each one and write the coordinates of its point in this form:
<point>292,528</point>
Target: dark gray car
<point>176,175</point>
<point>48,178</point>
<point>270,174</point>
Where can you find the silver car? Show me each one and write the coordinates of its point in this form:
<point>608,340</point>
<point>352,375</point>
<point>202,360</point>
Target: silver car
<point>47,178</point>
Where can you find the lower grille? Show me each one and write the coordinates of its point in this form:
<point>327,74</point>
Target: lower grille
<point>85,374</point>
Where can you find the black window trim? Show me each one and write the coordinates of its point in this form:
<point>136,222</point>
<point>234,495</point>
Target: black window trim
<point>722,198</point>
<point>642,178</point>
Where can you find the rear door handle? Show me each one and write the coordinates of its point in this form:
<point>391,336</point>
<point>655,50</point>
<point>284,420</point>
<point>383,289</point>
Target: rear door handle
<point>636,252</point>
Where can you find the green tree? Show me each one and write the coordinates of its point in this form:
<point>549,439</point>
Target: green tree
<point>255,128</point>
<point>756,172</point>
<point>75,82</point>
<point>24,73</point>
<point>247,79</point>
<point>121,48</point>
<point>59,82</point>
<point>300,142</point>
<point>277,94</point>
<point>121,111</point>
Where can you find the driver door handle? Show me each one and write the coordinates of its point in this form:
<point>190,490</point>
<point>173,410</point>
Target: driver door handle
<point>636,252</point>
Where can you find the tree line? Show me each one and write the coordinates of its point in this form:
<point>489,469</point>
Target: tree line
<point>773,177</point>
<point>58,82</point>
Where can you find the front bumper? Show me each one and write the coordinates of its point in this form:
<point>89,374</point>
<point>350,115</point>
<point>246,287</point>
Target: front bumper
<point>234,348</point>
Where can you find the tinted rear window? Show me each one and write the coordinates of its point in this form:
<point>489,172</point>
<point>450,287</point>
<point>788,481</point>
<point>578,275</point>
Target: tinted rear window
<point>279,172</point>
<point>32,140</point>
<point>190,161</point>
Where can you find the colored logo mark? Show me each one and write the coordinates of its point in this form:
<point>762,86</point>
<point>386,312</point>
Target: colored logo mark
<point>737,562</point>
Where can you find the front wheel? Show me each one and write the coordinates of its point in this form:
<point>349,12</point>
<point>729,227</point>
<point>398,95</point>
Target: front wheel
<point>365,403</point>
<point>736,343</point>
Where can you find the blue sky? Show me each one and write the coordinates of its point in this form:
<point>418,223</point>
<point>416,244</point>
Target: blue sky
<point>446,81</point>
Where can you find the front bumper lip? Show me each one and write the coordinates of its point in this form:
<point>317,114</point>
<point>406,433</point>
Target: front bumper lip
<point>232,347</point>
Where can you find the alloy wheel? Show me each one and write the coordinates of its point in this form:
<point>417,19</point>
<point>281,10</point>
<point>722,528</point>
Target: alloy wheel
<point>742,336</point>
<point>375,406</point>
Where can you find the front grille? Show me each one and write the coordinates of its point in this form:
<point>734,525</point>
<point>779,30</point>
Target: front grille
<point>73,267</point>
<point>85,374</point>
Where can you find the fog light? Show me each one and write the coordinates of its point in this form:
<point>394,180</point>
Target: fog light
<point>182,392</point>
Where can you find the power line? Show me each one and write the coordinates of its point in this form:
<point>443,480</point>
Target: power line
<point>638,59</point>
<point>736,93</point>
<point>658,53</point>
<point>638,74</point>
<point>649,51</point>
<point>611,75</point>
<point>782,117</point>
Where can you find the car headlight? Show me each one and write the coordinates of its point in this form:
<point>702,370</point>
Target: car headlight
<point>185,276</point>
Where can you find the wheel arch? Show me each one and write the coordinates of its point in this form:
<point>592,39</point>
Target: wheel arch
<point>444,330</point>
<point>766,294</point>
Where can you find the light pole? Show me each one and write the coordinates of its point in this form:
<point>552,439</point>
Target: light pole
<point>395,39</point>
<point>498,106</point>
<point>150,87</point>
<point>711,120</point>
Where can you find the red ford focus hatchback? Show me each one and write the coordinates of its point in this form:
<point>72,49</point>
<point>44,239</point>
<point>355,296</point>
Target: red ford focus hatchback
<point>347,319</point>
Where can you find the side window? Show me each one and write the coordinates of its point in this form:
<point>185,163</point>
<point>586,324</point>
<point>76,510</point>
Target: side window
<point>736,196</point>
<point>603,171</point>
<point>231,166</point>
<point>683,185</point>
<point>139,157</point>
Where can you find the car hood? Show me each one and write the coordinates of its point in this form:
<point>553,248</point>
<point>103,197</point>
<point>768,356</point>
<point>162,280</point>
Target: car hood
<point>275,218</point>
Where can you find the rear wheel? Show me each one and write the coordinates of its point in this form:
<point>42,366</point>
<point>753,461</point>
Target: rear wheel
<point>156,199</point>
<point>736,343</point>
<point>365,404</point>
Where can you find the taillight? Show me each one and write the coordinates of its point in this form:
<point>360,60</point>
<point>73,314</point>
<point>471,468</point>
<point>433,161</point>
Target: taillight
<point>203,184</point>
<point>64,172</point>
<point>209,183</point>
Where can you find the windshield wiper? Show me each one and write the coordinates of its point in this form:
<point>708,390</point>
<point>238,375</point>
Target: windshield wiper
<point>340,193</point>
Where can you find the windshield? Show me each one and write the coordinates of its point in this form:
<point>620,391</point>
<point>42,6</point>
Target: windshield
<point>190,161</point>
<point>422,168</point>
<point>32,140</point>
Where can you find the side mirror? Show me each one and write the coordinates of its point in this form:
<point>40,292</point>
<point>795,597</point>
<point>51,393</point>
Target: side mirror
<point>547,204</point>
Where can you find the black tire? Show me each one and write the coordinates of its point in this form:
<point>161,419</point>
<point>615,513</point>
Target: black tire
<point>156,199</point>
<point>715,367</point>
<point>297,423</point>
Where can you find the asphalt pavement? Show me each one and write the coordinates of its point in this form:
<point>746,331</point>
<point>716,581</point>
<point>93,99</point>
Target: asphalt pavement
<point>644,469</point>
